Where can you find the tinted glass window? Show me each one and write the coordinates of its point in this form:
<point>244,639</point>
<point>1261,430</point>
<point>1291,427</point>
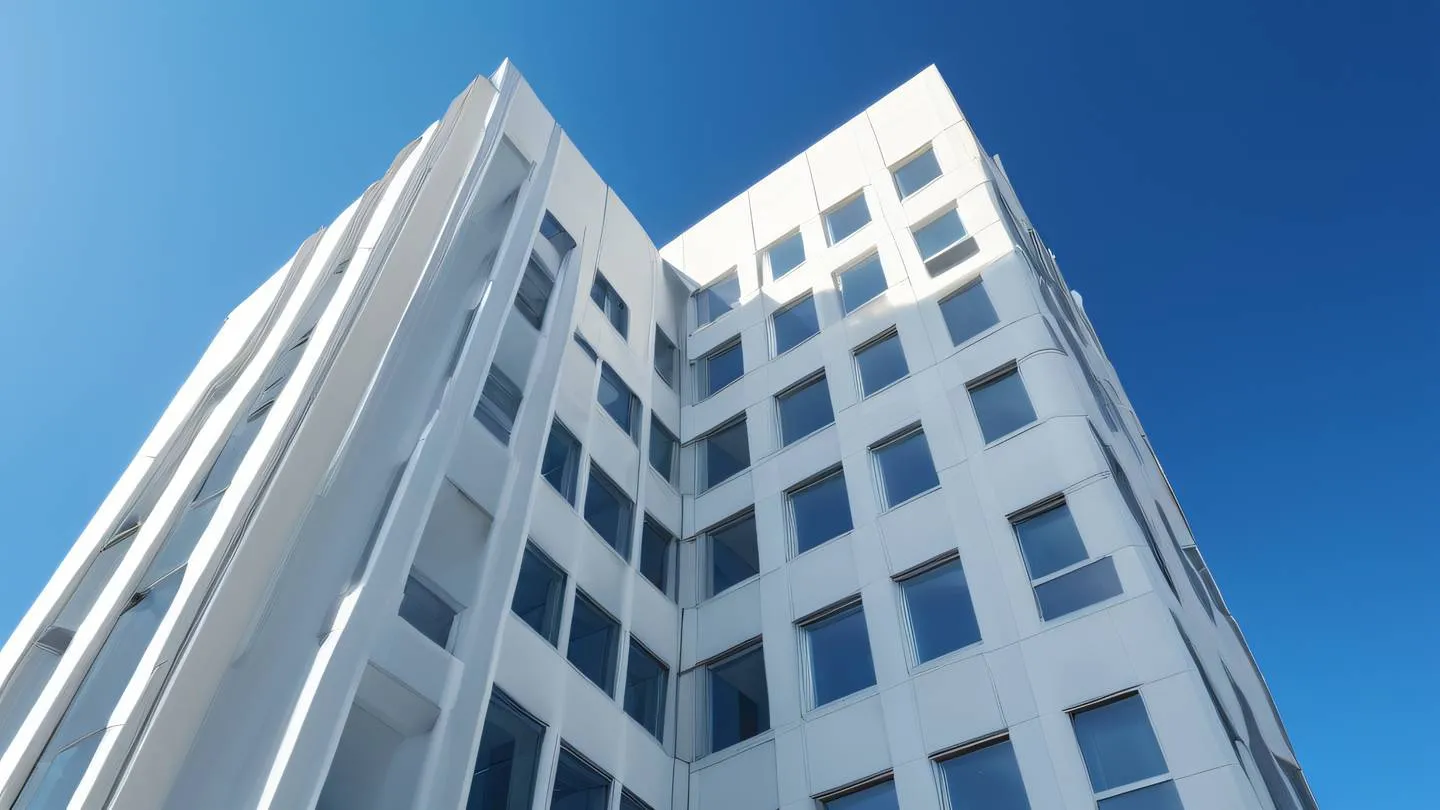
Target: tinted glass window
<point>820,511</point>
<point>985,779</point>
<point>739,699</point>
<point>560,466</point>
<point>717,299</point>
<point>657,554</point>
<point>594,643</point>
<point>586,347</point>
<point>552,230</point>
<point>508,759</point>
<point>881,363</point>
<point>538,594</point>
<point>720,368</point>
<point>610,302</point>
<point>646,679</point>
<point>906,469</point>
<point>53,782</point>
<point>734,554</point>
<point>608,511</point>
<point>804,410</point>
<point>1002,405</point>
<point>938,234</point>
<point>847,219</point>
<point>967,313</point>
<point>876,797</point>
<point>861,284</point>
<point>1050,541</point>
<point>795,324</point>
<point>1118,744</point>
<point>427,612</point>
<point>617,400</point>
<point>578,785</point>
<point>942,617</point>
<point>839,655</point>
<point>663,446</point>
<point>916,173</point>
<point>666,357</point>
<point>1080,588</point>
<point>786,255</point>
<point>534,294</point>
<point>725,452</point>
<point>499,403</point>
<point>222,469</point>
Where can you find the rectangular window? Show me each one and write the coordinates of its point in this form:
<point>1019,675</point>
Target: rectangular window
<point>916,173</point>
<point>1123,757</point>
<point>667,358</point>
<point>556,235</point>
<point>941,242</point>
<point>507,763</point>
<point>723,453</point>
<point>539,591</point>
<point>578,785</point>
<point>1002,406</point>
<point>861,283</point>
<point>609,511</point>
<point>904,465</point>
<point>785,255</point>
<point>646,681</point>
<point>657,555</point>
<point>534,294</point>
<point>819,510</point>
<point>880,796</point>
<point>881,362</point>
<point>717,298</point>
<point>847,218</point>
<point>732,551</point>
<point>594,642</point>
<point>1091,583</point>
<point>1056,558</point>
<point>610,303</point>
<point>664,448</point>
<point>719,368</point>
<point>427,611</point>
<point>804,409</point>
<point>739,698</point>
<point>967,312</point>
<point>560,466</point>
<point>839,648</point>
<point>499,405</point>
<point>616,399</point>
<point>985,777</point>
<point>586,347</point>
<point>942,616</point>
<point>795,323</point>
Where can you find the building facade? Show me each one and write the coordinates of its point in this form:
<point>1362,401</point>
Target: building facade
<point>483,500</point>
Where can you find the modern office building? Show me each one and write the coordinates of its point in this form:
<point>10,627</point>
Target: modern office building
<point>484,501</point>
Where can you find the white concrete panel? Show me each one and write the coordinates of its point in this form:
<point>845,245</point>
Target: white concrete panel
<point>846,743</point>
<point>744,781</point>
<point>956,703</point>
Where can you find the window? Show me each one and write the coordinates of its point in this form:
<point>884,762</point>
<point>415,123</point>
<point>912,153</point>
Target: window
<point>628,801</point>
<point>861,283</point>
<point>943,242</point>
<point>739,698</point>
<point>967,312</point>
<point>427,611</point>
<point>646,681</point>
<point>499,404</point>
<point>507,763</point>
<point>1001,403</point>
<point>586,347</point>
<point>609,511</point>
<point>560,466</point>
<point>664,448</point>
<point>539,592</point>
<point>594,643</point>
<point>617,400</point>
<point>795,323</point>
<point>723,453</point>
<point>880,796</point>
<point>1123,757</point>
<point>534,294</point>
<point>881,362</point>
<point>556,235</point>
<point>720,367</point>
<point>905,467</point>
<point>942,616</point>
<point>667,358</point>
<point>732,552</point>
<point>819,510</point>
<point>916,173</point>
<point>578,784</point>
<point>1055,556</point>
<point>716,299</point>
<point>657,555</point>
<point>985,777</point>
<point>839,649</point>
<point>847,218</point>
<point>804,408</point>
<point>610,303</point>
<point>785,255</point>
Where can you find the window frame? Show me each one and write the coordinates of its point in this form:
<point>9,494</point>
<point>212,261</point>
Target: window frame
<point>701,455</point>
<point>786,308</point>
<point>932,219</point>
<point>671,375</point>
<point>890,333</point>
<point>613,306</point>
<point>635,407</point>
<point>696,297</point>
<point>878,470</point>
<point>606,481</point>
<point>673,477</point>
<point>928,148</point>
<point>768,263</point>
<point>570,474</point>
<point>855,197</point>
<point>886,776</point>
<point>939,758</point>
<point>554,624</point>
<point>613,669</point>
<point>1041,507</point>
<point>566,749</point>
<point>848,607</point>
<point>705,723</point>
<point>788,393</point>
<point>835,279</point>
<point>706,537</point>
<point>666,673</point>
<point>988,379</point>
<point>535,319</point>
<point>501,380</point>
<point>978,283</point>
<point>433,590</point>
<point>943,560</point>
<point>703,391</point>
<point>1129,787</point>
<point>792,523</point>
<point>672,557</point>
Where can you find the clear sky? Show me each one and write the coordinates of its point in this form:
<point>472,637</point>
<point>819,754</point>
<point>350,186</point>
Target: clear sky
<point>1245,193</point>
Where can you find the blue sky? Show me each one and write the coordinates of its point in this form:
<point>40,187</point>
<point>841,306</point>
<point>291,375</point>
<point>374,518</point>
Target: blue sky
<point>1243,191</point>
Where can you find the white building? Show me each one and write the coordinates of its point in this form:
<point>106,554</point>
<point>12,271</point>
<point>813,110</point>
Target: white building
<point>925,556</point>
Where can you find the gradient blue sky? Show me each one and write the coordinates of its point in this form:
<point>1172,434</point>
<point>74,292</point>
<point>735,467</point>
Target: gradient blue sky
<point>1245,193</point>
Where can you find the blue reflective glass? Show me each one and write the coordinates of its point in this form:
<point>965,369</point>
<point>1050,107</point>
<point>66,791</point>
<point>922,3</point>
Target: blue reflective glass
<point>662,450</point>
<point>509,756</point>
<point>967,313</point>
<point>861,283</point>
<point>578,786</point>
<point>877,797</point>
<point>617,400</point>
<point>786,255</point>
<point>594,643</point>
<point>717,299</point>
<point>561,463</point>
<point>721,368</point>
<point>985,779</point>
<point>916,173</point>
<point>538,594</point>
<point>1163,796</point>
<point>726,452</point>
<point>427,612</point>
<point>805,410</point>
<point>938,234</point>
<point>906,469</point>
<point>942,616</point>
<point>840,662</point>
<point>646,679</point>
<point>847,219</point>
<point>795,324</point>
<point>1118,744</point>
<point>739,699</point>
<point>1002,406</point>
<point>821,511</point>
<point>734,554</point>
<point>881,363</point>
<point>1080,588</point>
<point>1050,541</point>
<point>609,511</point>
